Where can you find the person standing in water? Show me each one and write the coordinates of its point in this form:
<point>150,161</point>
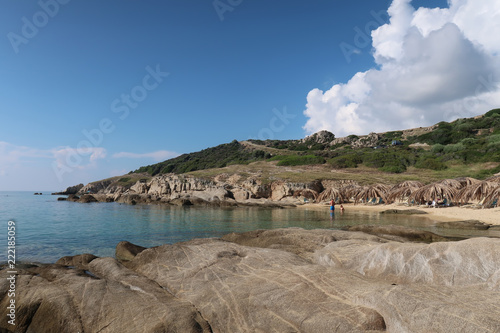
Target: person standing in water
<point>332,205</point>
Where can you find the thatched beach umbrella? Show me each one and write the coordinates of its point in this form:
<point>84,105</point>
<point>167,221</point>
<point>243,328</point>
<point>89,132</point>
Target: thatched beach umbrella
<point>403,190</point>
<point>492,199</point>
<point>331,193</point>
<point>452,183</point>
<point>432,192</point>
<point>476,191</point>
<point>370,192</point>
<point>400,194</point>
<point>467,181</point>
<point>306,193</point>
<point>350,191</point>
<point>494,179</point>
<point>408,183</point>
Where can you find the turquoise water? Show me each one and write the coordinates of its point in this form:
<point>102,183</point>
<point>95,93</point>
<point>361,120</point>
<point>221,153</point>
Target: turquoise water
<point>47,229</point>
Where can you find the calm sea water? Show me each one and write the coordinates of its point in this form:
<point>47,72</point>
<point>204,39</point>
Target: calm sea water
<point>47,229</point>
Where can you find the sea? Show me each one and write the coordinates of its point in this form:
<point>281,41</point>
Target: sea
<point>47,229</point>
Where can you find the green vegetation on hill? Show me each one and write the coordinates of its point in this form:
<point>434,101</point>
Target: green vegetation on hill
<point>464,141</point>
<point>215,157</point>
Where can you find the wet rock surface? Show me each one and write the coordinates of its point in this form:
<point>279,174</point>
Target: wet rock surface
<point>283,280</point>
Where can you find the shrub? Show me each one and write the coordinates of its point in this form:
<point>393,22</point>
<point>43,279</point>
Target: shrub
<point>293,160</point>
<point>452,148</point>
<point>395,168</point>
<point>494,138</point>
<point>345,161</point>
<point>437,148</point>
<point>468,141</point>
<point>430,163</point>
<point>492,113</point>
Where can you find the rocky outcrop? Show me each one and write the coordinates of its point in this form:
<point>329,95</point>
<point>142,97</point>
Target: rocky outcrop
<point>186,190</point>
<point>321,137</point>
<point>127,251</point>
<point>97,187</point>
<point>103,296</point>
<point>280,189</point>
<point>285,280</point>
<point>399,233</point>
<point>467,225</point>
<point>70,190</point>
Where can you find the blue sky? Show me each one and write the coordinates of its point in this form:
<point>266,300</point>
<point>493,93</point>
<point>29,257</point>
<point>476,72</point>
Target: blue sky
<point>91,89</point>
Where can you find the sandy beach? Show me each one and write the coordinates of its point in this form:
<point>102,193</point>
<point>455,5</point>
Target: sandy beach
<point>443,214</point>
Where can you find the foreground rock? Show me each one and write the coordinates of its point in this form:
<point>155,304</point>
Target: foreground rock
<point>106,298</point>
<point>399,233</point>
<point>468,225</point>
<point>285,280</point>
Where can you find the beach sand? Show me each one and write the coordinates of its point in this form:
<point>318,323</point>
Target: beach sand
<point>442,214</point>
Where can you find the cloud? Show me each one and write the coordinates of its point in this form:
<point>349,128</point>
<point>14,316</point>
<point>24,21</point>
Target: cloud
<point>10,153</point>
<point>78,158</point>
<point>159,155</point>
<point>433,64</point>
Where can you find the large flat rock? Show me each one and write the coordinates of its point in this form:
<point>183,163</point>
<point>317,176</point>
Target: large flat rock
<point>284,280</point>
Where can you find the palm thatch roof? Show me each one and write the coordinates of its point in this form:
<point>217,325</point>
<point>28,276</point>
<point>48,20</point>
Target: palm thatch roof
<point>373,191</point>
<point>403,190</point>
<point>400,194</point>
<point>492,198</point>
<point>466,181</point>
<point>350,191</point>
<point>494,179</point>
<point>331,193</point>
<point>452,183</point>
<point>306,193</point>
<point>432,192</point>
<point>476,191</point>
<point>408,183</point>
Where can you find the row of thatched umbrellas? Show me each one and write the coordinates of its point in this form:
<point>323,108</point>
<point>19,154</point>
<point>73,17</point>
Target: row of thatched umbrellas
<point>460,190</point>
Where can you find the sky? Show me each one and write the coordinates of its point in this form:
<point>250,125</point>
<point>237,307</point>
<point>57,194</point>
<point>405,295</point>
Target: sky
<point>93,89</point>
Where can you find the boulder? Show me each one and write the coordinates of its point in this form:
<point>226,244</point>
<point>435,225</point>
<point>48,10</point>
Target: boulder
<point>80,261</point>
<point>127,251</point>
<point>473,262</point>
<point>106,298</point>
<point>245,289</point>
<point>95,187</point>
<point>140,187</point>
<point>296,240</point>
<point>87,198</point>
<point>403,212</point>
<point>468,224</point>
<point>240,194</point>
<point>70,190</point>
<point>398,233</point>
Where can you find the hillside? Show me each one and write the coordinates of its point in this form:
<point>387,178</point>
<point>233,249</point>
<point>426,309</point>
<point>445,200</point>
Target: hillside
<point>469,147</point>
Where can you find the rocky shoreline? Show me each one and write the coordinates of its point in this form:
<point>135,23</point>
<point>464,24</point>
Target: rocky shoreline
<point>181,190</point>
<point>283,280</point>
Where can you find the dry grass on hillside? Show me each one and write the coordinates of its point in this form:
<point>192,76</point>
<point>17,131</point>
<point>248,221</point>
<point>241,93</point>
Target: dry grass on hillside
<point>269,171</point>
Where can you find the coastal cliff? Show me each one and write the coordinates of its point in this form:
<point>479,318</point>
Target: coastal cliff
<point>284,280</point>
<point>188,190</point>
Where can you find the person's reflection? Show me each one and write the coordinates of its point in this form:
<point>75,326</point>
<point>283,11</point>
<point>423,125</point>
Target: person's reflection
<point>332,216</point>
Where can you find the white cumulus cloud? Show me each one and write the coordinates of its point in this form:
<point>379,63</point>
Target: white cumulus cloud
<point>433,64</point>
